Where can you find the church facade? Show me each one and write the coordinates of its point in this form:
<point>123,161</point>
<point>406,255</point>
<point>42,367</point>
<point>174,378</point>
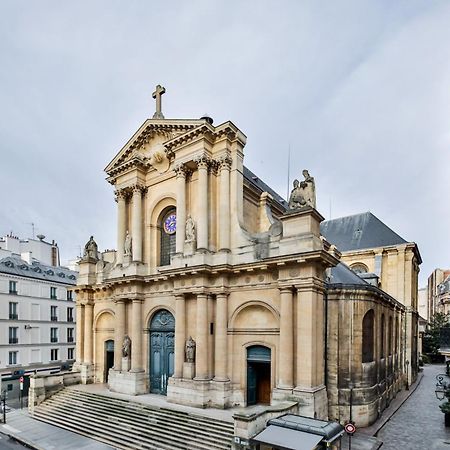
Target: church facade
<point>221,293</point>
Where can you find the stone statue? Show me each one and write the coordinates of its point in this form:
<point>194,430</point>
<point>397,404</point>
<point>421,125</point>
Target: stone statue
<point>127,245</point>
<point>304,193</point>
<point>190,350</point>
<point>309,189</point>
<point>90,249</point>
<point>190,229</point>
<point>126,347</point>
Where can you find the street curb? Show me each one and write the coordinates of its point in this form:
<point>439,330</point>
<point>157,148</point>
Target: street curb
<point>22,440</point>
<point>389,417</point>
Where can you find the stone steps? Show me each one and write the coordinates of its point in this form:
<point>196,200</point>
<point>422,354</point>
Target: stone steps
<point>130,425</point>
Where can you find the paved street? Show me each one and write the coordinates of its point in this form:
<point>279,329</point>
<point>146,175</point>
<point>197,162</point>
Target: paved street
<point>419,423</point>
<point>6,443</point>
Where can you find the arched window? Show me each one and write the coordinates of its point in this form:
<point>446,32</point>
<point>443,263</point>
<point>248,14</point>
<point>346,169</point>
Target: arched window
<point>383,337</point>
<point>168,228</point>
<point>367,336</point>
<point>390,335</point>
<point>359,268</point>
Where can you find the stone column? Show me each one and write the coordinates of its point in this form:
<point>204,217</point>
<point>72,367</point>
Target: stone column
<point>201,351</point>
<point>180,334</point>
<point>221,341</point>
<point>224,203</point>
<point>136,224</point>
<point>88,313</point>
<point>79,333</point>
<point>286,347</point>
<point>121,224</point>
<point>180,170</point>
<point>136,336</point>
<point>119,333</point>
<point>310,337</point>
<point>202,203</point>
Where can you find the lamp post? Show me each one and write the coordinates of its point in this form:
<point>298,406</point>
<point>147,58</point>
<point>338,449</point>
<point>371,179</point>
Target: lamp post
<point>350,386</point>
<point>3,402</point>
<point>407,372</point>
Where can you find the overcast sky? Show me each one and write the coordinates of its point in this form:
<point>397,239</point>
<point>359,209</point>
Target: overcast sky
<point>359,90</point>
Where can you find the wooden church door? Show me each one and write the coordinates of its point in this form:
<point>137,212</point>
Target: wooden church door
<point>162,351</point>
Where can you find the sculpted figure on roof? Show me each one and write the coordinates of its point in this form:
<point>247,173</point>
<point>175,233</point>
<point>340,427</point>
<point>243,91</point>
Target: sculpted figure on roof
<point>90,249</point>
<point>303,193</point>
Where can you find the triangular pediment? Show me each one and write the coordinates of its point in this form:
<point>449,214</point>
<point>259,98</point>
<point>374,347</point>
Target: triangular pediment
<point>150,132</point>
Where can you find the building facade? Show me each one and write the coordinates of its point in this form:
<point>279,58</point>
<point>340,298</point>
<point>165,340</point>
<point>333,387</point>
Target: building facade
<point>37,311</point>
<point>221,293</point>
<point>438,292</point>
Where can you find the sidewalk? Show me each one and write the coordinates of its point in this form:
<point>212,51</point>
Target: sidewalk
<point>42,436</point>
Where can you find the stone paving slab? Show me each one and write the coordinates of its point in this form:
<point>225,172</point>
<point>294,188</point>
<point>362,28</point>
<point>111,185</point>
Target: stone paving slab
<point>42,436</point>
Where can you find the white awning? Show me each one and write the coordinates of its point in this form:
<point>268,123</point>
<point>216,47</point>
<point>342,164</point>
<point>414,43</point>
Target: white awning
<point>287,438</point>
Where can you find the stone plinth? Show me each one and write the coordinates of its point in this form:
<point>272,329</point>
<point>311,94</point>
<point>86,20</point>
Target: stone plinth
<point>126,364</point>
<point>131,383</point>
<point>190,247</point>
<point>313,402</point>
<point>87,373</point>
<point>189,392</point>
<point>188,370</point>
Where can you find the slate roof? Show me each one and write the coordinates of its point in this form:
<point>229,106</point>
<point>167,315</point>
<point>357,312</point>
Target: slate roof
<point>358,232</point>
<point>263,187</point>
<point>16,266</point>
<point>342,274</point>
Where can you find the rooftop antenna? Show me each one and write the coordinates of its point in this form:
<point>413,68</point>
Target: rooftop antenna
<point>288,171</point>
<point>32,228</point>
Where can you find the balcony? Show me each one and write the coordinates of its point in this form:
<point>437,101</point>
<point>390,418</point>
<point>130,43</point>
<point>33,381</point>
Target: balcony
<point>13,292</point>
<point>53,339</point>
<point>54,318</point>
<point>70,319</point>
<point>13,316</point>
<point>70,339</point>
<point>13,340</point>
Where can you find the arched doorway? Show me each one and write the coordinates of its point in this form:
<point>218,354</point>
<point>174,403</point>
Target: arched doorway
<point>109,357</point>
<point>258,375</point>
<point>162,348</point>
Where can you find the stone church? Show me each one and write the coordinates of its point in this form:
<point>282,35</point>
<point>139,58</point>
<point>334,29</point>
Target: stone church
<point>221,293</point>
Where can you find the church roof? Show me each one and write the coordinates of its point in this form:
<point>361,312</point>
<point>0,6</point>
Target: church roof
<point>360,231</point>
<point>342,274</point>
<point>16,266</point>
<point>263,187</point>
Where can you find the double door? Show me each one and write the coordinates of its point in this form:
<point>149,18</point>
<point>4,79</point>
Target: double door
<point>162,350</point>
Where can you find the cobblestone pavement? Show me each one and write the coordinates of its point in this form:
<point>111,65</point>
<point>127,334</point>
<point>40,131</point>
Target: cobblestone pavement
<point>6,443</point>
<point>419,423</point>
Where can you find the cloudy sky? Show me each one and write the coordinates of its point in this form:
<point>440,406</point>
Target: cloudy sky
<point>359,90</point>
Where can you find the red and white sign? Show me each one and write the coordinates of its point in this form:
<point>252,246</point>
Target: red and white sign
<point>350,428</point>
<point>21,380</point>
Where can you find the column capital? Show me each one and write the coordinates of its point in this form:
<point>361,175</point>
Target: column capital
<point>122,194</point>
<point>138,189</point>
<point>180,170</point>
<point>224,162</point>
<point>202,161</point>
<point>222,295</point>
<point>286,289</point>
<point>179,296</point>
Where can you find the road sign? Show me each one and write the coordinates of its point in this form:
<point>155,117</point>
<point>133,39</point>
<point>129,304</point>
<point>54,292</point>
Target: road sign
<point>350,428</point>
<point>21,379</point>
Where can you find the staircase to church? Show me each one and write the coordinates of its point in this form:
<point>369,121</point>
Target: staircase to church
<point>130,425</point>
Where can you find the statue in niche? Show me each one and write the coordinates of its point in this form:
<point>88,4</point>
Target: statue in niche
<point>304,193</point>
<point>190,229</point>
<point>190,350</point>
<point>90,249</point>
<point>126,347</point>
<point>127,245</point>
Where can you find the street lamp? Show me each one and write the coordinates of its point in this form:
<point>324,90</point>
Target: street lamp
<point>442,387</point>
<point>407,372</point>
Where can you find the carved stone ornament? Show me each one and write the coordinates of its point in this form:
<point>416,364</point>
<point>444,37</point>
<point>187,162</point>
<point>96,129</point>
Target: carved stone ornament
<point>158,158</point>
<point>126,347</point>
<point>190,350</point>
<point>191,234</point>
<point>90,250</point>
<point>127,248</point>
<point>303,193</point>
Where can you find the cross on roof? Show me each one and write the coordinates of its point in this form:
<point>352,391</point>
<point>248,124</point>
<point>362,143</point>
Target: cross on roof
<point>157,94</point>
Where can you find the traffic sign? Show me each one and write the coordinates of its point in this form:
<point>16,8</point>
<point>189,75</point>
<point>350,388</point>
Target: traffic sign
<point>350,428</point>
<point>21,379</point>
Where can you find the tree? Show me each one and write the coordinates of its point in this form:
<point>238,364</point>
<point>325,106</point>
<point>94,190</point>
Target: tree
<point>432,336</point>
